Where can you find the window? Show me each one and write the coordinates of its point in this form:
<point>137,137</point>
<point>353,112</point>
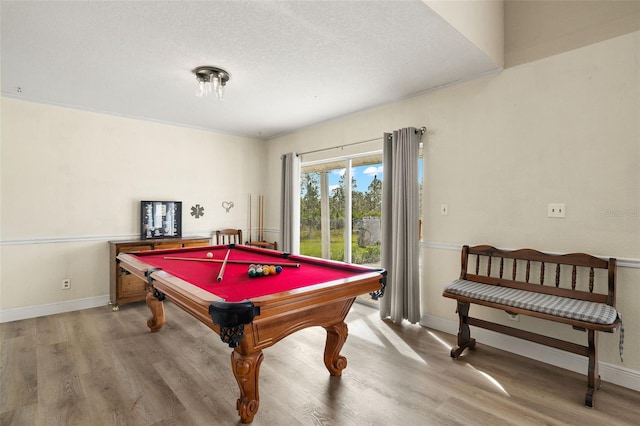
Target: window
<point>340,208</point>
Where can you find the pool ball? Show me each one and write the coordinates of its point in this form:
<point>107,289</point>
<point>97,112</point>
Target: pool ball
<point>278,269</point>
<point>209,255</point>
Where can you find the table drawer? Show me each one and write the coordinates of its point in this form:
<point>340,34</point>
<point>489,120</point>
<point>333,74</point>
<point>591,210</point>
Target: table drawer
<point>128,249</point>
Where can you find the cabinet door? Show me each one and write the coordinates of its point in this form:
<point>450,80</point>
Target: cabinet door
<point>131,286</point>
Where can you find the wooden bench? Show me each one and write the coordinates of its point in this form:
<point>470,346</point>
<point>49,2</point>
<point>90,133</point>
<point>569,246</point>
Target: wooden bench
<point>514,281</point>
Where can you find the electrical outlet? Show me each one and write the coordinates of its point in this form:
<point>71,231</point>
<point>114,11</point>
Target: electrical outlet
<point>513,317</point>
<point>556,210</point>
<point>444,210</point>
<point>66,284</point>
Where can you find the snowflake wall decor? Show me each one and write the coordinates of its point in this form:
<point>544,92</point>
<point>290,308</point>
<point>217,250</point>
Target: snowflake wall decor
<point>197,211</point>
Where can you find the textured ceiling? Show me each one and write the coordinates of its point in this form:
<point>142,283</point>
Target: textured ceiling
<point>292,64</point>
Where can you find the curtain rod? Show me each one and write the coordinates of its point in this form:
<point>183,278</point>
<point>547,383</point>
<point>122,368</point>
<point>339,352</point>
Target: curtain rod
<point>422,130</point>
<point>339,147</point>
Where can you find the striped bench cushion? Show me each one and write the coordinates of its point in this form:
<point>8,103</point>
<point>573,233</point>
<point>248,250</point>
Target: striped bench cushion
<point>597,313</point>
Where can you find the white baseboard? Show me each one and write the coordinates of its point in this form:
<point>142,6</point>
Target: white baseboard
<point>52,308</point>
<point>611,373</point>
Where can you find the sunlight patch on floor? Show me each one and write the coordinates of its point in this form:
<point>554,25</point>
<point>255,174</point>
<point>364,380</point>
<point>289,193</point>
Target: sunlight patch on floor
<point>490,379</point>
<point>439,340</point>
<point>363,329</point>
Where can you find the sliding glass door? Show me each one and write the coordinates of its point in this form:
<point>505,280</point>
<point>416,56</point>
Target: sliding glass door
<point>340,204</point>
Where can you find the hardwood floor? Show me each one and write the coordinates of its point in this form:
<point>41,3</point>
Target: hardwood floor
<point>98,367</point>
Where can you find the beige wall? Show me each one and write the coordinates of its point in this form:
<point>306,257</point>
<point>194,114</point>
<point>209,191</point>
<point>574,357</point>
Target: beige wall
<point>535,29</point>
<point>561,129</point>
<point>72,180</point>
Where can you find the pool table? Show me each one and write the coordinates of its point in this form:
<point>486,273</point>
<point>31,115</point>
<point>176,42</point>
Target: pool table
<point>253,313</point>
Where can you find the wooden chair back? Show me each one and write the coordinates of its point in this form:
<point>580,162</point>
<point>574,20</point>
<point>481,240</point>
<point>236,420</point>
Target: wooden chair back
<point>229,236</point>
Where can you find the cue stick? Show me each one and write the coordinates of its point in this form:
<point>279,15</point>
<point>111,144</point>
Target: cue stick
<point>249,218</point>
<point>239,262</point>
<point>261,237</point>
<point>224,265</point>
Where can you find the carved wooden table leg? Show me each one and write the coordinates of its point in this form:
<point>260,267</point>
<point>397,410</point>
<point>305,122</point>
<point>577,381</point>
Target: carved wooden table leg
<point>246,369</point>
<point>157,319</point>
<point>464,333</point>
<point>336,336</point>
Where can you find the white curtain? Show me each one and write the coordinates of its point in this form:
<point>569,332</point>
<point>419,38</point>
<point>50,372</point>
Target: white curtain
<point>290,202</point>
<point>400,240</point>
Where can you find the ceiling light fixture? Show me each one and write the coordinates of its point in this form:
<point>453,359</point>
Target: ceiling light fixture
<point>211,80</point>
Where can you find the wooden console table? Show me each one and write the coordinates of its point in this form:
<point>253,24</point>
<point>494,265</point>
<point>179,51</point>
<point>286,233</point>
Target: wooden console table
<point>126,288</point>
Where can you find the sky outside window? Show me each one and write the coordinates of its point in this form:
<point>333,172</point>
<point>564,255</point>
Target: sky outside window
<point>364,175</point>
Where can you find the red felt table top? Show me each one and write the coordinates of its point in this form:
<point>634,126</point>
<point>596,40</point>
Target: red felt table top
<point>236,284</point>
